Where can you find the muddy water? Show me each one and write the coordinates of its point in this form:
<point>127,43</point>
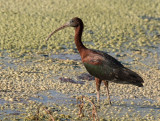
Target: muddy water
<point>57,80</point>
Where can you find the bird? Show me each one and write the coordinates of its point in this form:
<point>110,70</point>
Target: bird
<point>102,66</point>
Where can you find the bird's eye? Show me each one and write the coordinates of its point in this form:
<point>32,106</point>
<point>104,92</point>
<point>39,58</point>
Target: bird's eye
<point>72,21</point>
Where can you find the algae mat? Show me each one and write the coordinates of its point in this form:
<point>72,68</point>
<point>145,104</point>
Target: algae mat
<point>109,25</point>
<point>32,70</point>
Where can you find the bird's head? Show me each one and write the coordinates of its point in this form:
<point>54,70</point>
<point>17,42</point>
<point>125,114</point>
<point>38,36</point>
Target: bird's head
<point>74,22</point>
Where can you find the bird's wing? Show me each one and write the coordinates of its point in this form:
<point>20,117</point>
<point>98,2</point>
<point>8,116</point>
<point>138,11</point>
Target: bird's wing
<point>108,59</point>
<point>99,67</point>
<point>93,59</point>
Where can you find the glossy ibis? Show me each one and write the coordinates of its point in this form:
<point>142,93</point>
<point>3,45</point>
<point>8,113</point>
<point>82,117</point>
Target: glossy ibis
<point>99,64</point>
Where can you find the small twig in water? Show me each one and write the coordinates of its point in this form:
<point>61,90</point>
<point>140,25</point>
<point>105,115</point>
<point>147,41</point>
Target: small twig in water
<point>49,113</point>
<point>81,105</point>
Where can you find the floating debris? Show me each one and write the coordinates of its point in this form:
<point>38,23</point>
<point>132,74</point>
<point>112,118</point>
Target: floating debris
<point>64,79</point>
<point>85,76</point>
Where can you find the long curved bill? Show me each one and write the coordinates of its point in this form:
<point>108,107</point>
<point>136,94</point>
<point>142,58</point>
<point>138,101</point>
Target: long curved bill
<point>62,27</point>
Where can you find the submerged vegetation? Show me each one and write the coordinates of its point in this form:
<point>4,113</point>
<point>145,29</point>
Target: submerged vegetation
<point>33,77</point>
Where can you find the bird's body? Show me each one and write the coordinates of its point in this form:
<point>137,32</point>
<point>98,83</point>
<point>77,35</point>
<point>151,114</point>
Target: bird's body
<point>103,66</point>
<point>99,64</point>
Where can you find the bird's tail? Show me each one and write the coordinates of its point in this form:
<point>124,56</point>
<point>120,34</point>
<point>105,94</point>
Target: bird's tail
<point>133,78</point>
<point>139,84</point>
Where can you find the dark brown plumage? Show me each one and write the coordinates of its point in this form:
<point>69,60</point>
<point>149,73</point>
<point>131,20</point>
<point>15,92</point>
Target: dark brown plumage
<point>99,64</point>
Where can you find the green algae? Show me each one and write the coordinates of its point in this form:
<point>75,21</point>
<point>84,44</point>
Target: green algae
<point>26,24</point>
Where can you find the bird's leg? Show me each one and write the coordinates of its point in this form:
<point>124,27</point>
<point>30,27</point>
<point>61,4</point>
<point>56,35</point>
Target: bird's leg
<point>98,84</point>
<point>108,97</point>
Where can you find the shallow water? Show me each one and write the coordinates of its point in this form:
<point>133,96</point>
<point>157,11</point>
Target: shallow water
<point>36,73</point>
<point>136,105</point>
<point>123,105</point>
<point>52,96</point>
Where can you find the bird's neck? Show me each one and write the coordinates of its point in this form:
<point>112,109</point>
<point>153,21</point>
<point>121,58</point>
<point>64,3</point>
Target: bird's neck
<point>78,35</point>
